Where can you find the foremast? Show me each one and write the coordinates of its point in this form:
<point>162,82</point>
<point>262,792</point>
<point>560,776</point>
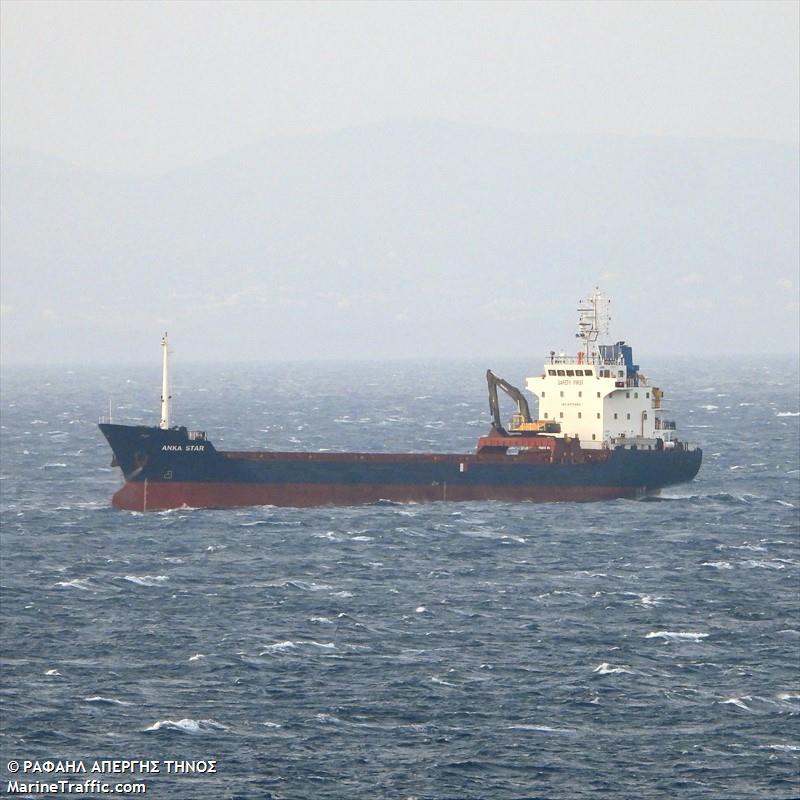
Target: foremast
<point>165,392</point>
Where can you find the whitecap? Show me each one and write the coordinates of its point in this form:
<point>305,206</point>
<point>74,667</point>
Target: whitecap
<point>420,609</point>
<point>540,729</point>
<point>434,679</point>
<point>737,701</point>
<point>308,586</point>
<point>146,580</point>
<point>190,726</point>
<point>606,669</point>
<point>53,672</point>
<point>763,564</point>
<point>709,407</point>
<point>278,647</point>
<point>196,657</point>
<point>107,700</point>
<point>717,564</point>
<point>76,583</point>
<point>788,414</point>
<point>326,645</point>
<point>271,725</point>
<point>53,465</point>
<point>321,620</point>
<point>668,635</point>
<point>786,748</point>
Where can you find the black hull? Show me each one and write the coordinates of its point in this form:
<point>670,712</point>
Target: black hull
<point>166,469</point>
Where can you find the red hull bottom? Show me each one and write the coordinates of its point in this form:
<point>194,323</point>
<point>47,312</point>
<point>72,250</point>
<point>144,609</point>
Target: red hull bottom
<point>161,496</point>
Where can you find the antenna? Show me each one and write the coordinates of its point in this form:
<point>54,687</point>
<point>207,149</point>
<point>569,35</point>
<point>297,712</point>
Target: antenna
<point>165,395</point>
<point>593,320</point>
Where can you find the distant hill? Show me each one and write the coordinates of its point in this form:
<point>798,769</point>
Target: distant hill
<point>405,239</point>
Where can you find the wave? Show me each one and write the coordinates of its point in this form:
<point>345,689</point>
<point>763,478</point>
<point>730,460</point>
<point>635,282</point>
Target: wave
<point>737,701</point>
<point>785,748</point>
<point>676,635</point>
<point>278,647</point>
<point>76,583</point>
<point>190,726</point>
<point>110,701</point>
<point>146,580</point>
<point>606,669</point>
<point>788,414</point>
<point>540,729</point>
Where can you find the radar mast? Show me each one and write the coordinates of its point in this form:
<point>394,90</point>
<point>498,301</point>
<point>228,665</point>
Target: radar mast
<point>593,321</point>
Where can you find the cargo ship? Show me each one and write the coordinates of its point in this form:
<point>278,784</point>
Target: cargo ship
<point>600,433</point>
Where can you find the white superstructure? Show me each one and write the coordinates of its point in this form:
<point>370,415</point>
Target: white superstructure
<point>598,395</point>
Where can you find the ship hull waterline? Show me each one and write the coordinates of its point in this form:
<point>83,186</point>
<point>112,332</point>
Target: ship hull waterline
<point>164,470</point>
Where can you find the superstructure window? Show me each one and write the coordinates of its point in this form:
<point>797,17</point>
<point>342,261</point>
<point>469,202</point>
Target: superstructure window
<point>598,415</point>
<point>545,415</point>
<point>580,416</point>
<point>647,395</point>
<point>588,373</point>
<point>561,414</point>
<point>570,373</point>
<point>561,372</point>
<point>561,393</point>
<point>615,415</point>
<point>628,395</point>
<point>580,394</point>
<point>579,372</point>
<point>636,395</point>
<point>629,416</point>
<point>551,372</point>
<point>598,394</point>
<point>542,394</point>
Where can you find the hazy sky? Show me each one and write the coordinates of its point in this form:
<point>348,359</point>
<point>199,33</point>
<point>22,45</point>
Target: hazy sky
<point>140,88</point>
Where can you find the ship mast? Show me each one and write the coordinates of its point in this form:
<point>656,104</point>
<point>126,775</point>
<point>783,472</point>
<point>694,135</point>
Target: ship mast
<point>165,395</point>
<point>593,319</point>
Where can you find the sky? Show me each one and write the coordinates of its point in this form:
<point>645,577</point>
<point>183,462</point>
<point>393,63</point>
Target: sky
<point>142,88</point>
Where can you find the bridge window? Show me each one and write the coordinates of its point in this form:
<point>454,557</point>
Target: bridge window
<point>579,372</point>
<point>627,394</point>
<point>598,394</point>
<point>580,416</point>
<point>647,395</point>
<point>598,415</point>
<point>580,394</point>
<point>570,373</point>
<point>629,416</point>
<point>593,437</point>
<point>561,414</point>
<point>615,415</point>
<point>542,394</point>
<point>545,415</point>
<point>636,395</point>
<point>562,393</point>
<point>551,372</point>
<point>560,372</point>
<point>588,373</point>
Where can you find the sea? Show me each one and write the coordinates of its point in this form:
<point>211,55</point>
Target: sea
<point>623,649</point>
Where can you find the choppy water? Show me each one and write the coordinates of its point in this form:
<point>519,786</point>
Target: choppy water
<point>626,649</point>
